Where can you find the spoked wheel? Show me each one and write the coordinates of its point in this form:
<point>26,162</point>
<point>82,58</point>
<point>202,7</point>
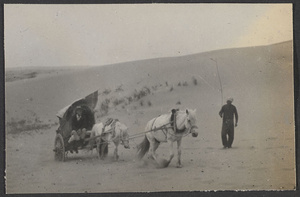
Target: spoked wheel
<point>59,148</point>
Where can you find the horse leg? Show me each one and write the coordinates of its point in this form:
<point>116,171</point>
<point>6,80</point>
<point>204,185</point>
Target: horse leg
<point>116,156</point>
<point>163,163</point>
<point>98,147</point>
<point>103,151</point>
<point>179,153</point>
<point>155,146</point>
<point>102,146</point>
<point>152,148</point>
<point>171,152</point>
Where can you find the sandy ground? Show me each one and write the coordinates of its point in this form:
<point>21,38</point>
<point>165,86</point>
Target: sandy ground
<point>260,161</point>
<point>262,157</point>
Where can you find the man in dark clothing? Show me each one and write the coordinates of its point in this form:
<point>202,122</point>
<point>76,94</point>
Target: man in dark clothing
<point>227,112</point>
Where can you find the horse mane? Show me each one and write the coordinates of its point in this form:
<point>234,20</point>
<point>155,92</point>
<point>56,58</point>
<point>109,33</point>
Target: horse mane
<point>173,117</point>
<point>173,121</point>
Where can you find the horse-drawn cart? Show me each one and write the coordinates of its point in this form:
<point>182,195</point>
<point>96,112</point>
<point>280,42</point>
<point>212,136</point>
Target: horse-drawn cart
<point>63,133</point>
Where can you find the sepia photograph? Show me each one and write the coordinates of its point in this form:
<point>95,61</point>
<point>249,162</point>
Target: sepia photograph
<point>111,98</point>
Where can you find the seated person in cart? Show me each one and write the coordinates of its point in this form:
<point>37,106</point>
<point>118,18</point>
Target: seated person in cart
<point>79,128</point>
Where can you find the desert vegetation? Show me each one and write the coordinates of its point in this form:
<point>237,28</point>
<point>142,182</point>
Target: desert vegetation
<point>10,76</point>
<point>112,101</point>
<point>16,126</point>
<point>108,102</point>
<point>195,82</point>
<point>106,91</point>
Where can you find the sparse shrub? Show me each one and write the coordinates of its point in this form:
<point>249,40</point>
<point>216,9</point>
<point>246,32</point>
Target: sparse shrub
<point>104,107</point>
<point>185,83</point>
<point>106,91</point>
<point>179,84</point>
<point>142,103</point>
<point>118,101</point>
<point>37,120</point>
<point>195,81</point>
<point>178,103</point>
<point>31,75</point>
<point>167,83</point>
<point>21,123</point>
<point>129,99</point>
<point>143,92</point>
<point>136,95</point>
<point>171,89</point>
<point>147,90</point>
<point>15,126</point>
<point>119,88</point>
<point>149,103</point>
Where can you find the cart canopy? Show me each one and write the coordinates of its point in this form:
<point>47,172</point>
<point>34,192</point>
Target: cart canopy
<point>87,104</point>
<point>89,101</point>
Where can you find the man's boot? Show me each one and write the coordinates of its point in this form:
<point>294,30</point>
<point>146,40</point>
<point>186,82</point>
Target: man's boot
<point>72,138</point>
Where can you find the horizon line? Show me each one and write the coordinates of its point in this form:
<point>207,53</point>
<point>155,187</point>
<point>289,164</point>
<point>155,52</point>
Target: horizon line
<point>85,66</point>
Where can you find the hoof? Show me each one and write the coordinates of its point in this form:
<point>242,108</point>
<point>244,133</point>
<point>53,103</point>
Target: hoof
<point>163,163</point>
<point>116,158</point>
<point>179,166</point>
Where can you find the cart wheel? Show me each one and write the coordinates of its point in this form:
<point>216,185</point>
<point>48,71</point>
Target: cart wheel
<point>59,148</point>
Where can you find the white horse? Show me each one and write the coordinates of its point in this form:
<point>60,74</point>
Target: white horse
<point>168,127</point>
<point>115,132</point>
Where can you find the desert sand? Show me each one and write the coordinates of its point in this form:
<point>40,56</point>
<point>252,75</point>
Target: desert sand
<point>260,79</point>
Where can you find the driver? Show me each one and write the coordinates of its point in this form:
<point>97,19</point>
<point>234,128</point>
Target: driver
<point>79,125</point>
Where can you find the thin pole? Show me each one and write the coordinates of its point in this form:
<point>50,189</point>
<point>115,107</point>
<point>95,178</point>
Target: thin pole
<point>219,79</point>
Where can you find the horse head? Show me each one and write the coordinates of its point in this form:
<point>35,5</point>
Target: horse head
<point>190,122</point>
<point>124,136</point>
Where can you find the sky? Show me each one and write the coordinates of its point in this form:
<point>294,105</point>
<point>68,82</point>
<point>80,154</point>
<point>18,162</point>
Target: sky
<point>101,34</point>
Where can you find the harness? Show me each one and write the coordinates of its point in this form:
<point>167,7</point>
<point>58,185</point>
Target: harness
<point>173,126</point>
<point>163,128</point>
<point>173,122</point>
<point>112,123</point>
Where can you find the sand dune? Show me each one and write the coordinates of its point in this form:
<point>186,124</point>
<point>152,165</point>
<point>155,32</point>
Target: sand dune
<point>259,78</point>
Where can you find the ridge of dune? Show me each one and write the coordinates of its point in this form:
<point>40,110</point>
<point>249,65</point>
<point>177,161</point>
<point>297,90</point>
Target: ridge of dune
<point>46,95</point>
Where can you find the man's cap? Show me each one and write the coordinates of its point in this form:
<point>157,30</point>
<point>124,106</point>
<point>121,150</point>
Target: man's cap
<point>78,110</point>
<point>230,99</point>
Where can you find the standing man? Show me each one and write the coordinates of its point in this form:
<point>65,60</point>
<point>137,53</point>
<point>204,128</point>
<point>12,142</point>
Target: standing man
<point>227,112</point>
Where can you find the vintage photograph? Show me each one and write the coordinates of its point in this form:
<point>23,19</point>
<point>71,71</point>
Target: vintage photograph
<point>109,98</point>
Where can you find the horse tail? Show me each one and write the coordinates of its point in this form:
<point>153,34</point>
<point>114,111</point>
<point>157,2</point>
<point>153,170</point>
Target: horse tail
<point>143,148</point>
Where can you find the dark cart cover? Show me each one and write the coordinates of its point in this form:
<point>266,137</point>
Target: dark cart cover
<point>88,105</point>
